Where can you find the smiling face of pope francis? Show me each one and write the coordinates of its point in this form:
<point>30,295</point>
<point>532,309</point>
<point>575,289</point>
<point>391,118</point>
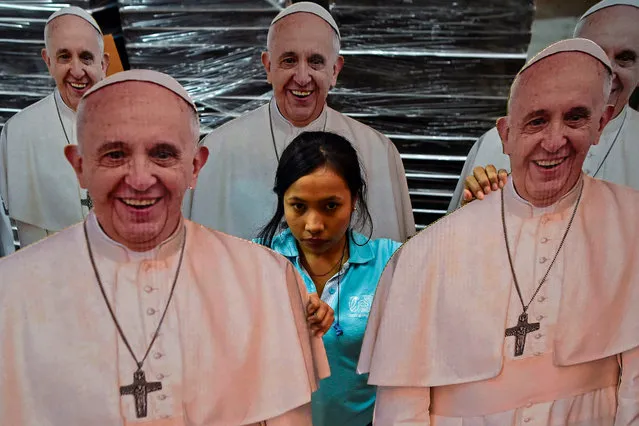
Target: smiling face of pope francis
<point>137,155</point>
<point>302,64</point>
<point>75,57</point>
<point>557,110</point>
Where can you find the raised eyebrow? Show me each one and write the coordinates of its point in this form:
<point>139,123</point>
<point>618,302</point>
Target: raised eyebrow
<point>110,146</point>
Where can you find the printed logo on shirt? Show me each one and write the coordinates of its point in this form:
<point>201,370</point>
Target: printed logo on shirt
<point>360,306</point>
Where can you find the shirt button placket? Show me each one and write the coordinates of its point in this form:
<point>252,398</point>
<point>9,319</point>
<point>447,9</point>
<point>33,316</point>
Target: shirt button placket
<point>155,362</point>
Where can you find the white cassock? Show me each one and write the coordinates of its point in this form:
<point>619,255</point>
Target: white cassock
<point>234,348</point>
<point>37,183</point>
<point>613,159</point>
<point>435,342</point>
<point>235,194</point>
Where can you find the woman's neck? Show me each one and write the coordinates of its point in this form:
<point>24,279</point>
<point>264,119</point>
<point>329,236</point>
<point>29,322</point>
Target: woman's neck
<point>321,267</point>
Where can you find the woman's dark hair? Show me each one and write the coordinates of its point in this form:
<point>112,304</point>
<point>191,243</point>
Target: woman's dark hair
<point>305,154</point>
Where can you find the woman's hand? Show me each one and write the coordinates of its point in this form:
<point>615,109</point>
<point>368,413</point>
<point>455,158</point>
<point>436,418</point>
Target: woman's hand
<point>320,316</point>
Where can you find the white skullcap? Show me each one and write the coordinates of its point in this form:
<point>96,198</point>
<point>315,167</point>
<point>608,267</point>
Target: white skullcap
<point>75,11</point>
<point>609,3</point>
<point>308,7</point>
<point>582,45</point>
<point>149,76</point>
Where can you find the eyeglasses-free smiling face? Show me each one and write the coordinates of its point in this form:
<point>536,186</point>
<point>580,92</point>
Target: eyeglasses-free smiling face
<point>557,111</point>
<point>302,64</point>
<point>74,57</point>
<point>139,155</point>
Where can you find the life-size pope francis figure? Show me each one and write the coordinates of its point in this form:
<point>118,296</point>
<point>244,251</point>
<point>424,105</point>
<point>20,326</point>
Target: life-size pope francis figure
<point>521,309</point>
<point>39,189</point>
<point>138,316</point>
<point>302,63</point>
<point>612,24</point>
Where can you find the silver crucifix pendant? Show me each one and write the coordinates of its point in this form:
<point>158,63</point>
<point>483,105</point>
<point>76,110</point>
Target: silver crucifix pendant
<point>520,331</point>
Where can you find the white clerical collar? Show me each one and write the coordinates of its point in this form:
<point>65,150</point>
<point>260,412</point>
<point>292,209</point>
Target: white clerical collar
<point>103,245</point>
<point>64,109</point>
<point>280,122</point>
<point>519,206</point>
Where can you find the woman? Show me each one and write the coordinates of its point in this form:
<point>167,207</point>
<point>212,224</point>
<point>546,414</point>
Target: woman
<point>319,187</point>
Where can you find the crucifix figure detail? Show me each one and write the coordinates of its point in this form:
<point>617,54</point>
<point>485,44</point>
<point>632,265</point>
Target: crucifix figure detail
<point>520,331</point>
<point>140,389</point>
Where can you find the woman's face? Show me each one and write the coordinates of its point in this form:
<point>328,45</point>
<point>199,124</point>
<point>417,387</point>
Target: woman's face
<point>318,209</point>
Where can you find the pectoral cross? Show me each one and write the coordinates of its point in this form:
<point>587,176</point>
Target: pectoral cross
<point>88,202</point>
<point>140,390</point>
<point>520,331</point>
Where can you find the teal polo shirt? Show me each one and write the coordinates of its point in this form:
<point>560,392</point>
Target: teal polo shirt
<point>344,398</point>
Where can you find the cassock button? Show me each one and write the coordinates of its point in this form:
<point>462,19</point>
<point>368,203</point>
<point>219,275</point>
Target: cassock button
<point>544,240</point>
<point>541,299</point>
<point>331,290</point>
<point>527,419</point>
<point>543,260</point>
<point>538,353</point>
<point>160,376</point>
<point>538,336</point>
<point>540,317</point>
<point>150,311</point>
<point>157,355</point>
<point>162,397</point>
<point>148,289</point>
<point>529,405</point>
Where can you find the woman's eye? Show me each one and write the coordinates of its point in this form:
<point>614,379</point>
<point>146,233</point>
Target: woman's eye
<point>332,206</point>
